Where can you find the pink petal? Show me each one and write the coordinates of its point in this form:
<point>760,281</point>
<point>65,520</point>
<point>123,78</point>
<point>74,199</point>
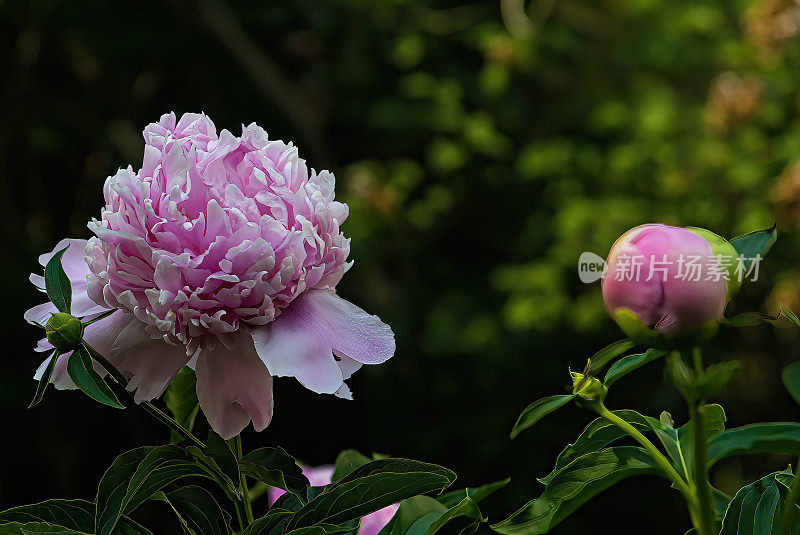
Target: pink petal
<point>60,378</point>
<point>40,313</point>
<point>234,387</point>
<point>73,261</point>
<point>150,365</point>
<point>290,351</point>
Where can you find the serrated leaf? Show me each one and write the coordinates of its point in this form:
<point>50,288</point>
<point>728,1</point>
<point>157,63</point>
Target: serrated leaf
<point>81,370</point>
<point>276,468</point>
<point>754,244</point>
<point>574,485</point>
<point>369,488</point>
<point>599,360</point>
<point>346,462</point>
<point>136,475</point>
<point>631,363</point>
<point>181,400</point>
<point>538,410</point>
<point>44,382</point>
<point>57,284</point>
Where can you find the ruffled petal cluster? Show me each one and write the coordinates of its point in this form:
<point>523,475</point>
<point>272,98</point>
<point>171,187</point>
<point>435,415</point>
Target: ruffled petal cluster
<point>221,253</point>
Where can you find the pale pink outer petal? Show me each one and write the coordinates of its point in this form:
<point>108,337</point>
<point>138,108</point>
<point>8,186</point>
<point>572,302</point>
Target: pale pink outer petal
<point>150,365</point>
<point>374,522</point>
<point>289,351</point>
<point>234,387</point>
<point>302,340</point>
<point>40,313</point>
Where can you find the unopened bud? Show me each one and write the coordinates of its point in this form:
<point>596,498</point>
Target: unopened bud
<point>64,331</point>
<point>588,388</point>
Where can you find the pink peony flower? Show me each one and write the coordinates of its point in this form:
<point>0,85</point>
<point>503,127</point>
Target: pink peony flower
<point>221,253</point>
<point>649,279</point>
<point>318,476</point>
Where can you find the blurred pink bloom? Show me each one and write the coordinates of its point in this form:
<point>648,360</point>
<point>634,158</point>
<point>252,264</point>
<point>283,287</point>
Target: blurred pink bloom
<point>221,253</point>
<point>321,475</point>
<point>661,292</point>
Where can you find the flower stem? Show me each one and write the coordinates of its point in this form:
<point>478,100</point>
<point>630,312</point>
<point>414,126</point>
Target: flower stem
<point>154,411</point>
<point>248,508</point>
<point>657,456</point>
<point>697,417</point>
<point>788,513</point>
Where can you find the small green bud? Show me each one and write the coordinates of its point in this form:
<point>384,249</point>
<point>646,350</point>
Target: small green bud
<point>588,388</point>
<point>64,331</point>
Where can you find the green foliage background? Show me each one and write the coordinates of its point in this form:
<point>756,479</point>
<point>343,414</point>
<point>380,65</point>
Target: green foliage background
<point>481,147</point>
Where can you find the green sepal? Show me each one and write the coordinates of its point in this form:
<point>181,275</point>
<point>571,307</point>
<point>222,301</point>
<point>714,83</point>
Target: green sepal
<point>57,283</point>
<point>81,370</point>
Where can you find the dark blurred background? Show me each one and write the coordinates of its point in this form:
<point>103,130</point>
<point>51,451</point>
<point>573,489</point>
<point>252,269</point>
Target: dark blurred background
<point>481,147</point>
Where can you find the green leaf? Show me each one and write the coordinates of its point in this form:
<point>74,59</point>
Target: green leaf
<point>756,508</point>
<point>790,315</point>
<point>219,462</point>
<point>271,524</point>
<point>276,468</point>
<point>599,360</point>
<point>30,528</point>
<point>466,507</point>
<point>371,487</point>
<point>755,243</point>
<point>218,450</point>
<point>714,425</point>
<point>346,462</point>
<point>772,437</point>
<point>199,511</point>
<point>45,380</point>
<point>81,370</point>
<point>628,364</point>
<point>410,511</point>
<point>77,515</point>
<point>57,284</point>
<point>791,379</point>
<point>451,499</point>
<point>574,485</point>
<point>716,378</point>
<point>181,400</point>
<point>538,410</point>
<point>746,319</point>
<point>136,475</point>
<point>597,435</point>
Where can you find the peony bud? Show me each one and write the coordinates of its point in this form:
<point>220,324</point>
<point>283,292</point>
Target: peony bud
<point>588,388</point>
<point>64,331</point>
<point>665,282</point>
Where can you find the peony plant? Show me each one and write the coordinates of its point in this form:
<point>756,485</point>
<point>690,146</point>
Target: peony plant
<point>669,311</point>
<point>212,269</point>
